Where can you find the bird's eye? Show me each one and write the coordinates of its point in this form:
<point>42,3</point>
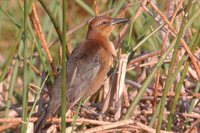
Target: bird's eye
<point>105,22</point>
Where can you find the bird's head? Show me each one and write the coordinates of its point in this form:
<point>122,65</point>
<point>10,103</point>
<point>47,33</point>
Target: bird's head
<point>103,26</point>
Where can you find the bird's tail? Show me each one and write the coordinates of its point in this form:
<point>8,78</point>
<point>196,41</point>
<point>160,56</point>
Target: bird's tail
<point>50,110</point>
<point>42,120</point>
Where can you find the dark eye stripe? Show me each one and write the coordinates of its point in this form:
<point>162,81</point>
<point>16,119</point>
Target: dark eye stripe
<point>105,22</point>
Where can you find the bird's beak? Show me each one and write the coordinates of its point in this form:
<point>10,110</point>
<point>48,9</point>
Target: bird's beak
<point>119,21</point>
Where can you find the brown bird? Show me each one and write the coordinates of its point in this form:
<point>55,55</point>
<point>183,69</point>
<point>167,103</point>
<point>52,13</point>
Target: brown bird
<point>87,66</point>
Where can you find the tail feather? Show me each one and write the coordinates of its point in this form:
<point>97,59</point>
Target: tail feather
<point>41,121</point>
<point>51,109</point>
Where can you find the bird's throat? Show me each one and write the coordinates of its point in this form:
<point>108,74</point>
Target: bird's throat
<point>103,42</point>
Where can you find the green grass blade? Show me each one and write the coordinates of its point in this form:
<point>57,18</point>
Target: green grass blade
<point>64,67</point>
<point>25,70</point>
<point>168,82</point>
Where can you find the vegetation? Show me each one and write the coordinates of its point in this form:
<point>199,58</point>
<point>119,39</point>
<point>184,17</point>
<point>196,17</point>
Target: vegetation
<point>153,85</point>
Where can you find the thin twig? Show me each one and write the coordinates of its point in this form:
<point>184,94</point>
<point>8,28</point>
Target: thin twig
<point>36,23</point>
<point>108,126</point>
<point>192,126</point>
<point>55,120</point>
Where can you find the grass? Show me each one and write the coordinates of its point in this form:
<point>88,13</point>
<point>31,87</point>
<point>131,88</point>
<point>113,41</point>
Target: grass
<point>23,60</point>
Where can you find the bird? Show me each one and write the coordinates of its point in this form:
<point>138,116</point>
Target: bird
<point>87,67</point>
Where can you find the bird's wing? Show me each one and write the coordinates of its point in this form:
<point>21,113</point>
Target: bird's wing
<point>86,66</point>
